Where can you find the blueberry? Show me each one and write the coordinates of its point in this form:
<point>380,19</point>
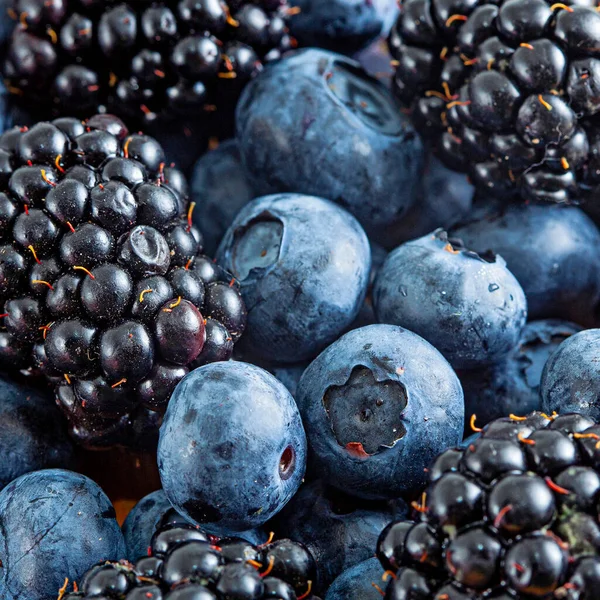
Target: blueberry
<point>444,198</point>
<point>232,449</point>
<point>513,385</point>
<point>571,377</point>
<point>340,531</point>
<point>470,307</point>
<point>316,123</point>
<point>344,26</point>
<point>220,188</point>
<point>357,581</point>
<point>32,434</point>
<point>549,249</point>
<point>374,415</point>
<point>303,266</point>
<point>53,524</point>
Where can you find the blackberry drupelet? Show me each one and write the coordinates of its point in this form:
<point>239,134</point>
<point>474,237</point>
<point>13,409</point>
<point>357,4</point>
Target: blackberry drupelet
<point>184,563</point>
<point>103,287</point>
<point>143,60</point>
<point>508,91</point>
<point>512,516</point>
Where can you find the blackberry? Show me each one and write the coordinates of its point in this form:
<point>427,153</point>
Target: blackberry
<point>183,563</point>
<point>103,286</point>
<point>507,91</point>
<point>142,60</point>
<point>522,527</point>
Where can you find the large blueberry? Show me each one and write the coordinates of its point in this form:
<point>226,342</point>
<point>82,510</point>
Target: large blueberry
<point>220,188</point>
<point>551,250</point>
<point>54,524</point>
<point>445,197</point>
<point>571,377</point>
<point>513,385</point>
<point>357,582</point>
<point>378,405</point>
<point>344,26</point>
<point>232,449</point>
<point>470,307</point>
<point>340,531</point>
<point>303,266</point>
<point>155,510</point>
<point>33,435</point>
<point>316,123</point>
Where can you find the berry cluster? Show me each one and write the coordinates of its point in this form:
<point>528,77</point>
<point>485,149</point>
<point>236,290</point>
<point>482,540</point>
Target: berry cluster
<point>514,515</point>
<point>103,284</point>
<point>141,59</point>
<point>508,91</point>
<point>184,563</point>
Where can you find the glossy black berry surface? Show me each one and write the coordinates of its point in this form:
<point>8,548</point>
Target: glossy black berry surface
<point>507,91</point>
<point>103,285</point>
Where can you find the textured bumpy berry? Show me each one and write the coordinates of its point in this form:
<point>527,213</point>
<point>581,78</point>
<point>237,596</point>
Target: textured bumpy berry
<point>507,90</point>
<point>103,286</point>
<point>514,515</point>
<point>184,563</point>
<point>144,60</point>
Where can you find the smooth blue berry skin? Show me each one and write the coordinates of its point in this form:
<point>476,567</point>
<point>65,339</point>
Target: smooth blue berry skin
<point>345,26</point>
<point>316,123</point>
<point>144,518</point>
<point>551,250</point>
<point>303,266</point>
<point>232,448</point>
<point>470,309</point>
<point>33,435</point>
<point>53,524</point>
<point>220,188</point>
<point>513,385</point>
<point>571,377</point>
<point>445,197</point>
<point>339,531</point>
<point>375,441</point>
<point>356,582</point>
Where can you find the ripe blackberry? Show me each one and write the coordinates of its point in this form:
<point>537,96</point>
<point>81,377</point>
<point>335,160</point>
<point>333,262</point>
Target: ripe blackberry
<point>184,563</point>
<point>144,60</point>
<point>103,287</point>
<point>518,521</point>
<point>507,90</point>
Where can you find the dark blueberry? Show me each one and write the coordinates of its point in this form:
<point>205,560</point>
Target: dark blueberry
<point>167,539</point>
<point>43,143</point>
<point>454,500</point>
<point>63,299</point>
<point>583,86</point>
<point>144,148</point>
<point>239,580</point>
<point>35,230</point>
<point>24,318</point>
<point>127,171</point>
<point>98,396</point>
<point>517,22</point>
<point>390,545</point>
<point>359,402</point>
<point>277,449</point>
<point>43,273</point>
<point>447,461</point>
<point>291,562</point>
<point>490,458</point>
<point>183,242</point>
<point>539,66</point>
<point>578,29</point>
<point>13,266</point>
<point>423,545</point>
<point>107,579</point>
<point>95,147</point>
<point>494,100</point>
<point>582,486</point>
<point>545,119</point>
<point>191,561</point>
<point>409,583</point>
<point>157,206</point>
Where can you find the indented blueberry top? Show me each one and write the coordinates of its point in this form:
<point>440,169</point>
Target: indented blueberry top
<point>257,247</point>
<point>356,91</point>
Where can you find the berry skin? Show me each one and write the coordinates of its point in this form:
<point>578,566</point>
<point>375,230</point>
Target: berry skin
<point>99,286</point>
<point>368,404</point>
<point>470,307</point>
<point>217,414</point>
<point>504,91</point>
<point>183,563</point>
<point>508,531</point>
<point>148,63</point>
